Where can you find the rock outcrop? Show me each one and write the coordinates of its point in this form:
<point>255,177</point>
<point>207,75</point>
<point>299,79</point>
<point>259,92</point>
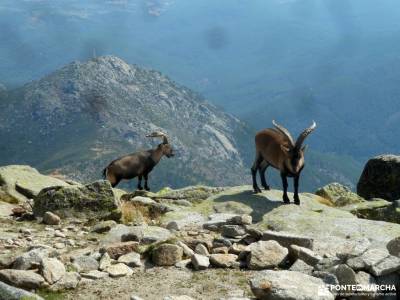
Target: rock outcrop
<point>19,183</point>
<point>95,200</point>
<point>381,178</point>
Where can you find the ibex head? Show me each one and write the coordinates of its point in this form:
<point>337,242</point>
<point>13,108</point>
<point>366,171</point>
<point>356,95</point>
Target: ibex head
<point>164,146</point>
<point>294,150</point>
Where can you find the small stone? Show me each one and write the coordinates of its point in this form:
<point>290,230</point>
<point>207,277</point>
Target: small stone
<point>85,263</point>
<point>69,282</point>
<point>201,249</point>
<point>52,270</point>
<point>50,218</point>
<point>224,260</point>
<point>286,239</point>
<point>394,246</point>
<point>96,255</point>
<point>119,270</point>
<point>105,261</point>
<point>305,254</point>
<point>131,259</point>
<point>345,275</point>
<point>115,250</point>
<point>265,254</point>
<point>134,297</point>
<point>200,262</point>
<point>94,275</point>
<point>59,245</point>
<point>25,231</point>
<point>302,267</point>
<point>183,264</point>
<point>181,297</point>
<point>58,233</point>
<point>240,220</point>
<point>237,248</point>
<point>167,255</point>
<point>220,250</point>
<point>233,231</point>
<point>104,226</point>
<point>186,250</point>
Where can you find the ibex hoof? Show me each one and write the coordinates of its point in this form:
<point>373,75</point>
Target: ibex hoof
<point>257,190</point>
<point>139,188</point>
<point>266,187</point>
<point>147,188</point>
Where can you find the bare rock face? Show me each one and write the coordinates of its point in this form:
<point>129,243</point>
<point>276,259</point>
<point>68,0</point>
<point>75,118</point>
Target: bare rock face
<point>381,178</point>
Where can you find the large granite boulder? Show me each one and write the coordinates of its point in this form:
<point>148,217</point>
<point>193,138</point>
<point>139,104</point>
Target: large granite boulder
<point>381,178</point>
<point>288,285</point>
<point>94,200</point>
<point>19,183</point>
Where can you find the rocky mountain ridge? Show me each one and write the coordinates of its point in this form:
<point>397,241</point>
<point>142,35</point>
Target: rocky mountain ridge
<point>82,116</point>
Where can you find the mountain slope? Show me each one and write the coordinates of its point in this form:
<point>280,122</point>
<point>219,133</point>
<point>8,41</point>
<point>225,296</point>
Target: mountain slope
<point>79,118</point>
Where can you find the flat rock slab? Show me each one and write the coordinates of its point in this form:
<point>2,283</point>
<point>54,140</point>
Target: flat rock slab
<point>143,234</point>
<point>286,239</point>
<point>22,278</point>
<point>288,285</point>
<point>24,182</point>
<point>119,270</point>
<point>332,230</point>
<point>94,275</point>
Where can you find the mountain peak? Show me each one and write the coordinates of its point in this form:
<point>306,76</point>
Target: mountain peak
<point>79,118</point>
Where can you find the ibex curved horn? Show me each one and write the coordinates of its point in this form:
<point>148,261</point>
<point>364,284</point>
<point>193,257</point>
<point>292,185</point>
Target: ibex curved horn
<point>159,134</point>
<point>285,132</point>
<point>304,134</point>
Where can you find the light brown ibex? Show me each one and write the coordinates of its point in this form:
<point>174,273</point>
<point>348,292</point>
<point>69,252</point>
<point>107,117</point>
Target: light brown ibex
<point>275,147</point>
<point>138,164</point>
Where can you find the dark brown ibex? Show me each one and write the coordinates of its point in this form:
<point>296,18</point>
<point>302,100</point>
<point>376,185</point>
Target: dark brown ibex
<point>138,164</point>
<point>275,147</point>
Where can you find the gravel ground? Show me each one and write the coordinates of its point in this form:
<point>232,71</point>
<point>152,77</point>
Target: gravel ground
<point>156,283</point>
